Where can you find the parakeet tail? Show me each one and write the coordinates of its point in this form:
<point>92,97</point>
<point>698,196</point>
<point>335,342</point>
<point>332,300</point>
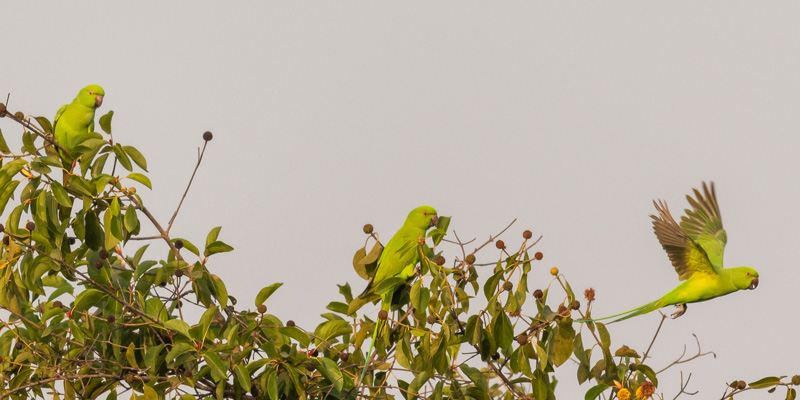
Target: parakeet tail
<point>655,305</point>
<point>380,327</point>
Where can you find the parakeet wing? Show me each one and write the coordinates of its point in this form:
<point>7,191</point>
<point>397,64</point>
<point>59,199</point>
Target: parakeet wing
<point>685,254</point>
<point>703,224</point>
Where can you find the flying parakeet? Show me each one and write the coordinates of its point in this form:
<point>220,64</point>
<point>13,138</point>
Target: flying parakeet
<point>398,260</point>
<point>75,121</point>
<point>695,249</point>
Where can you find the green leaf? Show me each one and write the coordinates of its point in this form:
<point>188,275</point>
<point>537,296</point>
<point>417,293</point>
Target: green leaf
<point>131,219</point>
<point>217,366</point>
<point>649,373</point>
<point>595,391</point>
<point>765,382</point>
<point>791,394</point>
<point>296,334</point>
<point>330,370</point>
<point>87,299</point>
<point>331,329</point>
<point>217,247</point>
<point>221,291</point>
<point>94,233</point>
<point>626,351</point>
<point>441,230</point>
<point>188,246</point>
<point>272,384</point>
<point>136,156</point>
<point>213,235</point>
<point>605,338</point>
<point>476,377</point>
<point>179,348</point>
<point>130,355</point>
<point>105,122</point>
<point>503,331</point>
<point>60,194</point>
<point>141,178</point>
<point>178,326</point>
<point>264,294</point>
<point>562,343</point>
<point>242,377</point>
<point>47,127</point>
<point>122,157</point>
<point>3,146</point>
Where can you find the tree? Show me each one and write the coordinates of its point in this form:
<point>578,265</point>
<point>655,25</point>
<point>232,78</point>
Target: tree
<point>88,315</point>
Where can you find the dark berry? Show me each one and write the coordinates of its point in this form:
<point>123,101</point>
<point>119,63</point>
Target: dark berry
<point>507,286</point>
<point>111,319</point>
<point>344,356</point>
<point>538,255</point>
<point>741,385</point>
<point>19,115</point>
<point>538,293</point>
<point>633,367</point>
<point>368,228</point>
<point>383,314</point>
<point>103,254</point>
<point>470,259</point>
<point>439,260</point>
<point>179,272</point>
<point>496,356</point>
<point>500,244</point>
<point>310,366</point>
<point>207,136</point>
<point>290,323</point>
<point>2,228</point>
<point>30,226</point>
<point>575,304</point>
<point>19,345</point>
<point>562,309</point>
<point>98,264</point>
<point>527,234</point>
<point>314,353</point>
<point>57,304</point>
<point>71,241</point>
<point>261,308</point>
<point>179,244</point>
<point>6,240</point>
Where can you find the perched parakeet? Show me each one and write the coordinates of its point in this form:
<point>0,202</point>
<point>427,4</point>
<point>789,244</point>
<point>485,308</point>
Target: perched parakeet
<point>695,249</point>
<point>75,121</point>
<point>398,260</point>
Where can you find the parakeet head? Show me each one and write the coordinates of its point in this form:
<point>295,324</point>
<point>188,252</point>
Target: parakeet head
<point>91,96</point>
<point>744,277</point>
<point>422,217</point>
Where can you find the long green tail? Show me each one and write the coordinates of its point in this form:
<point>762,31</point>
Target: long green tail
<point>386,303</point>
<point>655,305</point>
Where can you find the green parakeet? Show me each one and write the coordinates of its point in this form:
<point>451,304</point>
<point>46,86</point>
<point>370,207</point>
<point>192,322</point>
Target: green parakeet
<point>398,260</point>
<point>695,249</point>
<point>75,121</point>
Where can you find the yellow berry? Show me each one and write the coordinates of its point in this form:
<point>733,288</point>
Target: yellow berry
<point>554,271</point>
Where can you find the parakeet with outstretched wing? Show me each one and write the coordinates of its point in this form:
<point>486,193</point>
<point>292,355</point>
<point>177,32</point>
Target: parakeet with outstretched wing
<point>74,122</point>
<point>695,249</point>
<point>398,260</point>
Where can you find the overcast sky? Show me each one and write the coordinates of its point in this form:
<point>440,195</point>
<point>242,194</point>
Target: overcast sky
<point>571,117</point>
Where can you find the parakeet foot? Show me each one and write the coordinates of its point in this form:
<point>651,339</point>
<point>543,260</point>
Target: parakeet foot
<point>681,310</point>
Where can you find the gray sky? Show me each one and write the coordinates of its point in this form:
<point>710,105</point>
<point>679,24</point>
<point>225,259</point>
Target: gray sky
<point>571,117</point>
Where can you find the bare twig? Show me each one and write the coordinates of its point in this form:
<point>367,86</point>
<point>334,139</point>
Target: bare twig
<point>680,359</point>
<point>199,160</point>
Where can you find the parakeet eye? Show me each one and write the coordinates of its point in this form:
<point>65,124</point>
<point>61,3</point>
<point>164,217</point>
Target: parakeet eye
<point>425,214</point>
<point>748,274</point>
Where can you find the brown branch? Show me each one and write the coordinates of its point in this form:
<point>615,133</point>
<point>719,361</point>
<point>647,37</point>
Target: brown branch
<point>680,359</point>
<point>199,160</point>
